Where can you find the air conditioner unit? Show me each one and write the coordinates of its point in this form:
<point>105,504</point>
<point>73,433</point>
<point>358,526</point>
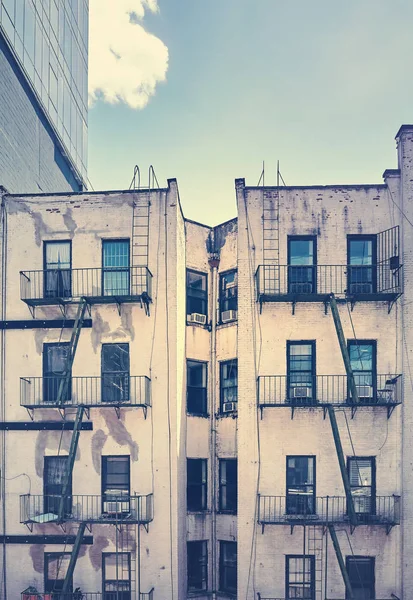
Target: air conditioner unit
<point>117,501</point>
<point>197,318</point>
<point>301,288</point>
<point>361,288</point>
<point>302,391</point>
<point>228,315</point>
<point>364,391</point>
<point>228,407</point>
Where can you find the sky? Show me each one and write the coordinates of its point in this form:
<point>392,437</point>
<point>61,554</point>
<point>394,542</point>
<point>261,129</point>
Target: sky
<point>205,91</point>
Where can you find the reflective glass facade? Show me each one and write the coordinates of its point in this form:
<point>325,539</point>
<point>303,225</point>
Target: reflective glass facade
<point>50,41</point>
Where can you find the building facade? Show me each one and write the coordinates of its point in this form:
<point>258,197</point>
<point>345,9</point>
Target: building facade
<point>205,412</point>
<point>43,96</point>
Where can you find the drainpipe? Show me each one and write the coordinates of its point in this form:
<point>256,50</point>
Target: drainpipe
<point>213,261</point>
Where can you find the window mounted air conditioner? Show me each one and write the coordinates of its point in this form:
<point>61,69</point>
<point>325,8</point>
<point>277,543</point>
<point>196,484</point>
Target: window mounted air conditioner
<point>361,288</point>
<point>228,407</point>
<point>197,318</point>
<point>117,501</point>
<point>228,315</point>
<point>364,391</point>
<point>302,391</point>
<point>301,288</point>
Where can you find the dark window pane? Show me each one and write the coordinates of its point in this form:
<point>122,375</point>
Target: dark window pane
<point>300,484</point>
<point>228,485</point>
<point>196,387</point>
<point>55,361</point>
<point>228,567</point>
<point>57,265</point>
<point>361,574</point>
<point>115,372</point>
<point>197,564</point>
<point>116,267</point>
<point>300,577</point>
<point>56,565</point>
<point>196,484</point>
<point>196,293</point>
<point>229,382</point>
<point>228,294</point>
<point>301,252</point>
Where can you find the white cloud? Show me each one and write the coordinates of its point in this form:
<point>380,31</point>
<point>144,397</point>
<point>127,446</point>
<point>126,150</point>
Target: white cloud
<point>125,61</point>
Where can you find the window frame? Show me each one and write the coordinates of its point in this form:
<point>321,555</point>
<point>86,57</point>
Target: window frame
<point>221,297</point>
<point>115,269</point>
<point>363,237</point>
<point>204,365</point>
<point>124,502</point>
<point>48,502</point>
<point>373,488</point>
<point>121,374</point>
<point>45,269</point>
<point>202,485</point>
<point>105,581</point>
<point>287,573</point>
<point>47,581</point>
<point>46,374</point>
<point>187,288</point>
<point>223,567</point>
<point>312,372</point>
<point>221,508</point>
<point>311,509</point>
<point>372,561</point>
<point>222,364</point>
<point>203,565</point>
<point>373,344</point>
<point>313,267</point>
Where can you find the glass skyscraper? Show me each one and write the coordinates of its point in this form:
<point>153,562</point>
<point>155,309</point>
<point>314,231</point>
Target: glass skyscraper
<point>49,43</point>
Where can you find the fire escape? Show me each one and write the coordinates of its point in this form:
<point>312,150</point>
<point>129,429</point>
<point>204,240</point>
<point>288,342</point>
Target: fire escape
<point>87,288</point>
<point>273,283</point>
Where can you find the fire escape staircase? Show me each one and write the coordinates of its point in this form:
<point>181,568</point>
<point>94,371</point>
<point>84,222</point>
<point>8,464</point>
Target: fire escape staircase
<point>339,448</point>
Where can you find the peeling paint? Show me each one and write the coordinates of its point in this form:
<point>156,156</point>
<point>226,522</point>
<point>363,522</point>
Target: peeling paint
<point>98,441</point>
<point>39,337</point>
<point>100,328</point>
<point>37,556</point>
<point>95,551</point>
<point>70,222</point>
<point>40,228</point>
<point>51,440</point>
<point>127,321</point>
<point>119,433</point>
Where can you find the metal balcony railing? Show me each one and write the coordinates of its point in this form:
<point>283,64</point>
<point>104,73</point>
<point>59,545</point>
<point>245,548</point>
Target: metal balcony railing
<point>33,595</point>
<point>111,508</point>
<point>307,509</point>
<point>312,283</point>
<point>302,389</point>
<point>261,597</point>
<point>112,389</point>
<point>99,286</point>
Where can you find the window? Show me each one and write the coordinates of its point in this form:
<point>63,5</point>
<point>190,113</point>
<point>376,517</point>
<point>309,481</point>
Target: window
<point>116,575</point>
<point>55,569</point>
<point>300,577</point>
<point>228,485</point>
<point>197,561</point>
<point>360,570</point>
<point>302,260</point>
<point>301,372</point>
<point>361,260</point>
<point>57,258</point>
<point>115,267</point>
<point>300,485</point>
<point>196,387</point>
<point>228,567</point>
<point>115,373</point>
<point>53,478</point>
<point>196,293</point>
<point>362,476</point>
<point>196,490</point>
<point>228,296</point>
<point>363,363</point>
<point>229,385</point>
<point>115,484</point>
<point>55,361</point>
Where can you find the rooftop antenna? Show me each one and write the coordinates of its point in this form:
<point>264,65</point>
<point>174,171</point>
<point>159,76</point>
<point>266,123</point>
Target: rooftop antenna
<point>262,176</point>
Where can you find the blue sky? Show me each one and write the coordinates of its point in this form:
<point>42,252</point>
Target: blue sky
<point>322,86</point>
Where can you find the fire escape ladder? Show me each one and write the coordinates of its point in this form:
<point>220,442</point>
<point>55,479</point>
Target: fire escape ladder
<point>140,236</point>
<point>332,415</point>
<point>73,558</point>
<point>315,548</point>
<point>271,239</point>
<point>341,563</point>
